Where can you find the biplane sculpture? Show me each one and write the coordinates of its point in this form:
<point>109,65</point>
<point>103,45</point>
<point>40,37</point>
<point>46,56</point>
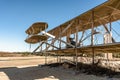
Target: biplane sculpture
<point>99,16</point>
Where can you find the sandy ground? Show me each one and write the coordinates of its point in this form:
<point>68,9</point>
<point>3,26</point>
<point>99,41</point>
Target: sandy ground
<point>29,68</point>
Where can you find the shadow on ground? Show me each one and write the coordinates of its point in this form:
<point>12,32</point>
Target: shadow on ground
<point>41,72</point>
<point>29,73</point>
<point>90,69</point>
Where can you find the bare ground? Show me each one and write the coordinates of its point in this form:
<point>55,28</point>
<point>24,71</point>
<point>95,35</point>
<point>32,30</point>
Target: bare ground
<point>29,68</point>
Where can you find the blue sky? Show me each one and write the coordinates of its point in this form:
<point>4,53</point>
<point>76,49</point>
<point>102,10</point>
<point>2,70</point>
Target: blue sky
<point>17,15</point>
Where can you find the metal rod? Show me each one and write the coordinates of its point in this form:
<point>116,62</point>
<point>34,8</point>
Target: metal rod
<point>81,38</point>
<point>104,25</point>
<point>51,45</point>
<point>30,48</point>
<point>38,47</point>
<point>46,55</point>
<point>60,35</point>
<point>60,39</point>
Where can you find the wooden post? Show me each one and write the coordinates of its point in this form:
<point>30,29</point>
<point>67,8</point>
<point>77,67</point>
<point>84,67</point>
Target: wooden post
<point>68,35</point>
<point>110,54</point>
<point>76,47</point>
<point>92,38</point>
<point>57,57</point>
<point>108,39</point>
<point>110,24</point>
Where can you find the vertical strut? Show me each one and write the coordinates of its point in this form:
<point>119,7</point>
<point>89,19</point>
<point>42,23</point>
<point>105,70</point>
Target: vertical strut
<point>76,47</point>
<point>92,37</point>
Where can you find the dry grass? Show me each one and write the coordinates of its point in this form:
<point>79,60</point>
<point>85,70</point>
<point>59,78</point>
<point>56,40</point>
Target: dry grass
<point>15,54</point>
<point>9,54</point>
